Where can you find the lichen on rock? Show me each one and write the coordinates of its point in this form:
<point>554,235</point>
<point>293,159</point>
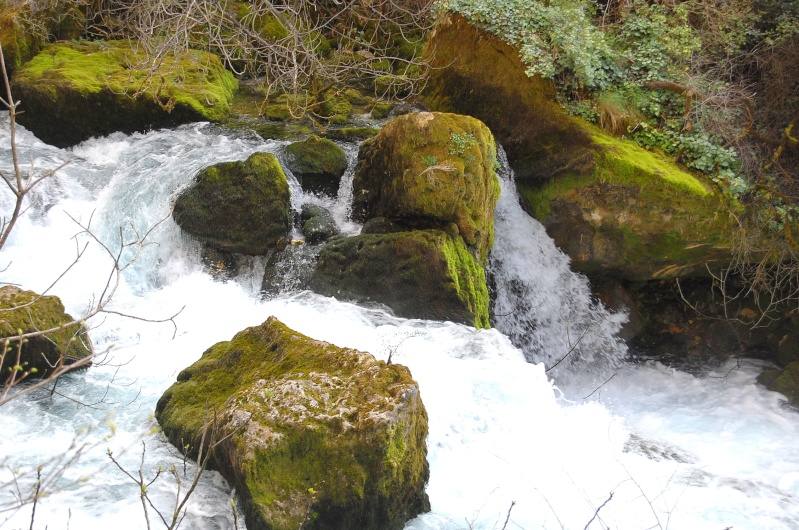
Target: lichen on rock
<point>419,274</point>
<point>74,90</point>
<point>318,433</point>
<point>238,207</point>
<point>24,312</point>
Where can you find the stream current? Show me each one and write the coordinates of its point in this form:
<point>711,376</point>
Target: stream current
<point>653,447</point>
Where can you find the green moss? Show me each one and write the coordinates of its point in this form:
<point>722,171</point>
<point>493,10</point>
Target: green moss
<point>317,155</point>
<point>322,429</point>
<point>381,110</point>
<point>470,280</point>
<point>237,206</point>
<point>351,134</point>
<point>462,188</point>
<point>25,312</point>
<point>196,80</point>
<point>626,161</point>
<point>419,274</point>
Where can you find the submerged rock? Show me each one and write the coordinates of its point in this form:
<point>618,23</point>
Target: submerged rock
<point>317,223</point>
<point>25,312</point>
<point>420,274</point>
<point>431,170</point>
<point>320,437</point>
<point>318,164</point>
<point>238,207</point>
<point>785,381</point>
<point>72,91</point>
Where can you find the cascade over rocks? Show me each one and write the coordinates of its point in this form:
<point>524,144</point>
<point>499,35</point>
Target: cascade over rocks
<point>431,170</point>
<point>317,163</point>
<point>610,205</point>
<point>72,91</point>
<point>26,312</point>
<point>238,207</point>
<point>419,274</point>
<point>320,437</point>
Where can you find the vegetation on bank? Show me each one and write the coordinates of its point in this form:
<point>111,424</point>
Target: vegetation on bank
<point>680,77</point>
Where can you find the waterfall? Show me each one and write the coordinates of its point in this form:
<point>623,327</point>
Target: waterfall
<point>675,449</point>
<point>544,307</point>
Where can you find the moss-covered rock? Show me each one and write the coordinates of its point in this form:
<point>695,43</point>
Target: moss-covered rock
<point>321,437</point>
<point>26,312</point>
<point>612,206</point>
<point>785,381</point>
<point>317,163</point>
<point>237,206</point>
<point>420,274</point>
<point>431,170</point>
<point>635,214</point>
<point>473,72</point>
<point>72,91</point>
<point>317,223</point>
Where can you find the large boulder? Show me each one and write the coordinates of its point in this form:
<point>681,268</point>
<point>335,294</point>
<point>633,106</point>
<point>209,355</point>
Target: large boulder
<point>431,170</point>
<point>419,274</point>
<point>610,205</point>
<point>72,91</point>
<point>238,207</point>
<point>634,214</point>
<point>318,164</point>
<point>320,437</point>
<point>476,73</point>
<point>23,312</point>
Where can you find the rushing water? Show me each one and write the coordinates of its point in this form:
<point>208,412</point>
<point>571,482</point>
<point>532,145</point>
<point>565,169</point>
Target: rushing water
<point>674,450</point>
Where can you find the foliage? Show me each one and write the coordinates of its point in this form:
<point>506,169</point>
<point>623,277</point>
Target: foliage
<point>581,57</point>
<point>675,76</point>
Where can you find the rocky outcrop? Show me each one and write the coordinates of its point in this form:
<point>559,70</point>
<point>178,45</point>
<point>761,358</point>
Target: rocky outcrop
<point>420,274</point>
<point>238,207</point>
<point>72,91</point>
<point>476,73</point>
<point>634,214</point>
<point>23,312</point>
<point>318,164</point>
<point>610,205</point>
<point>320,437</point>
<point>431,170</point>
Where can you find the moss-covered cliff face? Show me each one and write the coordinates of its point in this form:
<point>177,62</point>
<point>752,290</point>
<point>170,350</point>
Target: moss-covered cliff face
<point>26,312</point>
<point>611,206</point>
<point>237,206</point>
<point>476,73</point>
<point>72,91</point>
<point>320,434</point>
<point>420,274</point>
<point>635,214</point>
<point>431,170</point>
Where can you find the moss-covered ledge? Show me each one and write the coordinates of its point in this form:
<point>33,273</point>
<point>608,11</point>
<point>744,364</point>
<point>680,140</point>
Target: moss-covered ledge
<point>322,437</point>
<point>74,90</point>
<point>633,213</point>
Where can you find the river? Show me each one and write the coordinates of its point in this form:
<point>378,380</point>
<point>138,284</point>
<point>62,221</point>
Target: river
<point>598,440</point>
